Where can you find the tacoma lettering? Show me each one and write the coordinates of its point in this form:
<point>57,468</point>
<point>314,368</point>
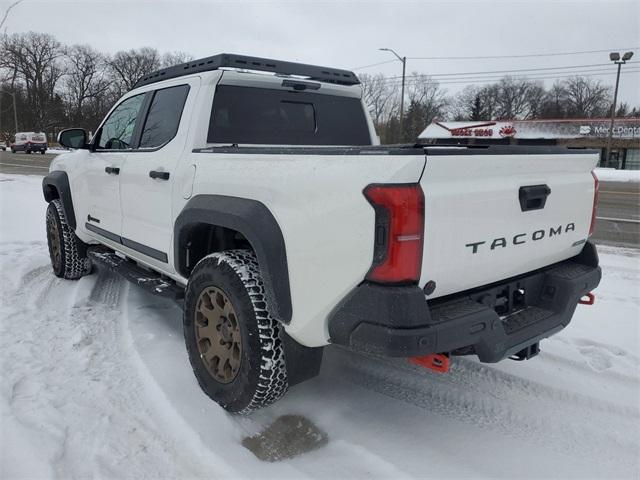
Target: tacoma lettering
<point>522,238</point>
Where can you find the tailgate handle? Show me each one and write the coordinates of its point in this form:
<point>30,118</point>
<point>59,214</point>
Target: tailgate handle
<point>533,197</point>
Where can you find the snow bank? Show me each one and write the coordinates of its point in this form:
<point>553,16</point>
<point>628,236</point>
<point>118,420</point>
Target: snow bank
<point>96,383</point>
<point>613,175</point>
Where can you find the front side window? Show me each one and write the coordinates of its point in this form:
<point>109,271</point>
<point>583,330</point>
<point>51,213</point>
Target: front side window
<point>164,116</point>
<point>281,117</point>
<point>117,131</point>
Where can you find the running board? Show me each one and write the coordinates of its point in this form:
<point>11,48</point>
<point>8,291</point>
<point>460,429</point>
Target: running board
<point>148,280</point>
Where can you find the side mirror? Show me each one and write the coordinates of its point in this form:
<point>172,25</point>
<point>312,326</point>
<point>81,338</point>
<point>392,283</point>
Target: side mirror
<point>73,138</point>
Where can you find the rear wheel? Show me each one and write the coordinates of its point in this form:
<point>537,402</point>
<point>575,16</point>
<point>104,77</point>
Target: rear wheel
<point>233,342</point>
<point>67,252</point>
<point>42,152</point>
<point>29,151</point>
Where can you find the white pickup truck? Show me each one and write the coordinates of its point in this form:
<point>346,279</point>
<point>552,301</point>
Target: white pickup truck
<point>254,191</point>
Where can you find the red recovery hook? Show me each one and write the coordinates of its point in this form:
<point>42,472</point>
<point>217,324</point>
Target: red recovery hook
<point>588,299</point>
<point>438,362</point>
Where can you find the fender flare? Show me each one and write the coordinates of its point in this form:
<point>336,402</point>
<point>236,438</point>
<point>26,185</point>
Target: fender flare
<point>258,225</point>
<point>58,181</point>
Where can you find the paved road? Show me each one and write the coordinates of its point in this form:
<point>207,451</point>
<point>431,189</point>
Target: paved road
<point>26,164</point>
<point>618,212</point>
<point>618,218</point>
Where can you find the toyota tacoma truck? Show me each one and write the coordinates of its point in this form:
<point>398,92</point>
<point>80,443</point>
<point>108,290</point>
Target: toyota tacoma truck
<point>254,192</point>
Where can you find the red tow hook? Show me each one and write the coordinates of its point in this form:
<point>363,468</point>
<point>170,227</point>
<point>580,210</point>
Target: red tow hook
<point>588,299</point>
<point>438,362</point>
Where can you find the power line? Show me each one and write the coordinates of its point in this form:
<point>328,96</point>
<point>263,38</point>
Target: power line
<point>457,74</point>
<point>552,77</point>
<point>487,57</point>
<point>606,70</point>
<point>528,55</point>
<point>374,64</point>
<point>464,80</point>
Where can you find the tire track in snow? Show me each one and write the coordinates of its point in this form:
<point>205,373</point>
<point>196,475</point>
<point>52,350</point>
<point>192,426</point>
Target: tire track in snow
<point>491,399</point>
<point>67,377</point>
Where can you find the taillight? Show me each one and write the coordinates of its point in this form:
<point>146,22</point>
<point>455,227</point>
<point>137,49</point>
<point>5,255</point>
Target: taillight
<point>596,182</point>
<point>399,232</point>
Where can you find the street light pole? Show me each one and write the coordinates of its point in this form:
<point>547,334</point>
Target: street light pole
<point>615,58</point>
<point>404,68</point>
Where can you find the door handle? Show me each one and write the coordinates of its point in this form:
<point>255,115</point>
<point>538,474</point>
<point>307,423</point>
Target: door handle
<point>533,197</point>
<point>112,170</point>
<point>159,175</point>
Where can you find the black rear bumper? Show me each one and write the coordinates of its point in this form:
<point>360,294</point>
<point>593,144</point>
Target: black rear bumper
<point>492,322</point>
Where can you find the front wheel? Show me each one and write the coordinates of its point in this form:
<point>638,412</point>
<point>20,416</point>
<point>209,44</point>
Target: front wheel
<point>232,339</point>
<point>67,252</point>
<point>42,152</point>
<point>29,152</point>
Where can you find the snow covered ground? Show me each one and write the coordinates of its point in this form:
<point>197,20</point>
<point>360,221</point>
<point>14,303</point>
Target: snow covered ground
<point>613,175</point>
<point>95,382</point>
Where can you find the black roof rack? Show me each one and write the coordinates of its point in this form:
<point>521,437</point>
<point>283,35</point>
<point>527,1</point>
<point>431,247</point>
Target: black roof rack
<point>322,74</point>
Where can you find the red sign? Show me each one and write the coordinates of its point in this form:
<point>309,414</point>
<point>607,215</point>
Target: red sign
<point>507,131</point>
<point>471,132</point>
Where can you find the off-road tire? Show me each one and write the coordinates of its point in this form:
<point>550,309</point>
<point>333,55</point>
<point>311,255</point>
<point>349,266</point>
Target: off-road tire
<point>67,252</point>
<point>262,375</point>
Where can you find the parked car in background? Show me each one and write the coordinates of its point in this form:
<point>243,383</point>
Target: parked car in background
<point>3,146</point>
<point>30,142</point>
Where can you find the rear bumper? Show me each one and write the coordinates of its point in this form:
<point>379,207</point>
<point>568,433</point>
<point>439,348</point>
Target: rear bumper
<point>492,322</point>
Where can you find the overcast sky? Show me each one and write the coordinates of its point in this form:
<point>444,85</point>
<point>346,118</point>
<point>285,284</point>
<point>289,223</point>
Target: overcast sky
<point>348,34</point>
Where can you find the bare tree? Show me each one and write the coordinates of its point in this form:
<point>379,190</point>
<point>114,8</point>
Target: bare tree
<point>128,66</point>
<point>34,59</point>
<point>381,98</point>
<point>85,84</point>
<point>586,97</point>
<point>427,101</point>
<point>517,98</point>
<point>170,59</point>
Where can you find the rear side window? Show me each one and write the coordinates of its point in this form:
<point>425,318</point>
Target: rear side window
<point>280,117</point>
<point>164,115</point>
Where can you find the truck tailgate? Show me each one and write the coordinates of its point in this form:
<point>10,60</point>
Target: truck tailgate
<point>477,231</point>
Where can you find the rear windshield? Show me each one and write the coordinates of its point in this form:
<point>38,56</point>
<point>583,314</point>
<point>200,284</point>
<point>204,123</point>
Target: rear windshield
<point>281,117</point>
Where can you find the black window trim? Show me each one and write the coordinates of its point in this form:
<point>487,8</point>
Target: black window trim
<point>141,121</point>
<point>147,109</point>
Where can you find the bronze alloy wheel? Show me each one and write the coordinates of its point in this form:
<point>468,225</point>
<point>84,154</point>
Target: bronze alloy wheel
<point>54,236</point>
<point>218,334</point>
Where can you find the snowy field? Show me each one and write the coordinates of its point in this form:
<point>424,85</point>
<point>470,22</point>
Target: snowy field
<point>96,384</point>
<point>613,175</point>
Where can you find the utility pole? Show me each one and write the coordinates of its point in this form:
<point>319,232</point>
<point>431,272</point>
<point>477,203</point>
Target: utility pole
<point>404,68</point>
<point>615,58</point>
<point>15,111</point>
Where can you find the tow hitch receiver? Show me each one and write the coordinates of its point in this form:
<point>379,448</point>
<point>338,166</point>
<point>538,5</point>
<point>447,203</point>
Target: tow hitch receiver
<point>588,299</point>
<point>527,353</point>
<point>438,362</point>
